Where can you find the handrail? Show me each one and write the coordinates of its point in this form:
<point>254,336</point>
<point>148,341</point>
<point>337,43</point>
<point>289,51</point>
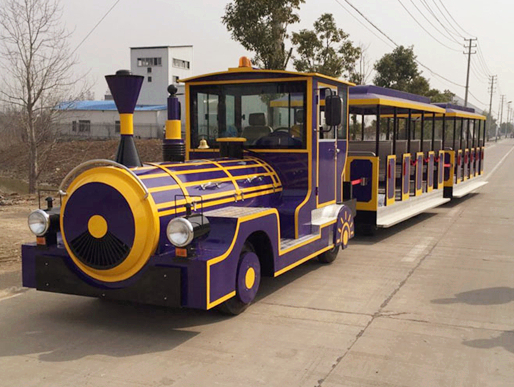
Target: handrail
<point>96,162</point>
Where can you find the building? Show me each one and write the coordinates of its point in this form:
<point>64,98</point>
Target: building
<point>100,120</point>
<point>160,66</point>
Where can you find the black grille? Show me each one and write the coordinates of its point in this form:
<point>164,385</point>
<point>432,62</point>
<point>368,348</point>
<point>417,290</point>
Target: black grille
<point>99,253</point>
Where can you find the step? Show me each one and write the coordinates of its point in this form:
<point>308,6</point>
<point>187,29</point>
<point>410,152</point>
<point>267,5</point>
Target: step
<point>466,187</point>
<point>402,210</point>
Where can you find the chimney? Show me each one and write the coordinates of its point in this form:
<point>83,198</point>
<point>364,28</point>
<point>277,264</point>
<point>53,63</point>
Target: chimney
<point>125,88</point>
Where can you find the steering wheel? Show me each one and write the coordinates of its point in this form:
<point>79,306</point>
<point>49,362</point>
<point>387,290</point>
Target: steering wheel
<point>282,129</point>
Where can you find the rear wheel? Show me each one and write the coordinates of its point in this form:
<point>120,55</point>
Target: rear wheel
<point>329,256</point>
<point>248,278</point>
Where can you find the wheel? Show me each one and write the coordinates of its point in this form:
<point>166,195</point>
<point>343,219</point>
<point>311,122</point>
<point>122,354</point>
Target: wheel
<point>248,278</point>
<point>329,256</point>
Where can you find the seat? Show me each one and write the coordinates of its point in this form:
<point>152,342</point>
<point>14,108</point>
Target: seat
<point>257,128</point>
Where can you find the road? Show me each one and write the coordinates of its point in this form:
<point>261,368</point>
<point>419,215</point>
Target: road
<point>427,303</point>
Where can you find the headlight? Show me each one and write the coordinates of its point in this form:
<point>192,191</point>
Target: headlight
<point>180,232</point>
<point>39,222</point>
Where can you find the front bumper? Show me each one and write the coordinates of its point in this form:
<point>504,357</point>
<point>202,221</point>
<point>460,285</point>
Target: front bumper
<point>157,285</point>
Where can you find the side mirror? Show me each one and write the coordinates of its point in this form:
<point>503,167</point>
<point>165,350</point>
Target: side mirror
<point>333,110</point>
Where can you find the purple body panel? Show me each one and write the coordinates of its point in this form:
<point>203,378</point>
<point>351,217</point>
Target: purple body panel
<point>466,163</point>
<point>362,169</point>
<point>430,171</point>
<point>326,170</point>
<point>441,170</point>
<point>406,175</point>
<point>391,178</point>
<point>419,172</point>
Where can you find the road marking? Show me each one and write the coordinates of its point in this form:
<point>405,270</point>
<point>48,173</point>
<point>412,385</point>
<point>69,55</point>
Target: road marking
<point>500,163</point>
<point>419,250</point>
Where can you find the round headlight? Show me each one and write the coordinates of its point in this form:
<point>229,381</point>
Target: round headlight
<point>180,232</point>
<point>39,222</point>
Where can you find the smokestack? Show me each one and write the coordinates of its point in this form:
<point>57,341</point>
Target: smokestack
<point>125,88</point>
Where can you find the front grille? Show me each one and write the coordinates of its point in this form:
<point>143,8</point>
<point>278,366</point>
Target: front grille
<point>99,253</point>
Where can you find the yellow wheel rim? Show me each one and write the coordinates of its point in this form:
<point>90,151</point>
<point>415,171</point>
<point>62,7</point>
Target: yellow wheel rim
<point>250,278</point>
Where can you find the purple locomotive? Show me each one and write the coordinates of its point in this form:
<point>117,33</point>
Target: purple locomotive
<point>256,188</point>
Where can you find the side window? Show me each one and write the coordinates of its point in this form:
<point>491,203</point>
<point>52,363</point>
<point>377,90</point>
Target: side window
<point>342,133</point>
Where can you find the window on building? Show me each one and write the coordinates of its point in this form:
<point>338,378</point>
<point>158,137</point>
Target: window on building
<point>84,126</point>
<point>149,62</point>
<point>149,70</point>
<point>175,79</point>
<point>74,126</point>
<point>181,64</point>
<point>116,126</point>
<point>149,79</point>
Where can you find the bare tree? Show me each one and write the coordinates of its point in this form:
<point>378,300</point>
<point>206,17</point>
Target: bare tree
<point>37,68</point>
<point>364,67</point>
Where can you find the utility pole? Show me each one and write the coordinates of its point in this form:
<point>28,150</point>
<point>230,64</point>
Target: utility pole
<point>469,53</point>
<point>493,80</point>
<point>500,109</point>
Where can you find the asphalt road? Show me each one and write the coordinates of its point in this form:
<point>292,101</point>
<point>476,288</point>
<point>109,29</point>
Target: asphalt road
<point>427,303</point>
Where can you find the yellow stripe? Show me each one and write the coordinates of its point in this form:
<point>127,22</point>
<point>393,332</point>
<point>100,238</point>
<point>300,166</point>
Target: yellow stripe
<point>401,104</point>
<point>217,195</point>
<point>252,71</point>
<point>223,201</point>
<point>173,130</point>
<point>173,176</point>
<point>309,150</point>
<point>126,123</point>
<point>298,263</point>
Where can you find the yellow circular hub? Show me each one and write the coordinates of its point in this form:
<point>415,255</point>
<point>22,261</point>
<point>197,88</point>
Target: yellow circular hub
<point>250,278</point>
<point>345,237</point>
<point>97,226</point>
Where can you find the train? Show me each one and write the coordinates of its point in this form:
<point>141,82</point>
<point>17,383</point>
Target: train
<point>265,178</point>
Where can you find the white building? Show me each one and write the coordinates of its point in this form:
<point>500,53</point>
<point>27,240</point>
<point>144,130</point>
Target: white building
<point>100,120</point>
<point>161,66</point>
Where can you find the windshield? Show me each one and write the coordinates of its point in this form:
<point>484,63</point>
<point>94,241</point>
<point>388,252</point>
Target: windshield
<point>268,115</point>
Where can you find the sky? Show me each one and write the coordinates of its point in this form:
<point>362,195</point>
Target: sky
<point>135,23</point>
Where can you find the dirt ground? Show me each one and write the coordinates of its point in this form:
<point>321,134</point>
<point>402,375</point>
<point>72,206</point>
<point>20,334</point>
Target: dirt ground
<point>14,229</point>
<point>15,207</point>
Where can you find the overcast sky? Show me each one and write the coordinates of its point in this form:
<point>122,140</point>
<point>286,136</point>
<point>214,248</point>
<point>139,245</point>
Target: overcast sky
<point>198,22</point>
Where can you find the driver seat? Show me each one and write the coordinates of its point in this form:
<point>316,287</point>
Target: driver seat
<point>257,128</point>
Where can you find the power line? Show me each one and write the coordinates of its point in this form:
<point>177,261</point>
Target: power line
<point>482,59</point>
<point>455,21</point>
<point>449,23</point>
<point>364,25</point>
<point>424,29</point>
<point>425,4</point>
<point>96,25</point>
<point>392,41</point>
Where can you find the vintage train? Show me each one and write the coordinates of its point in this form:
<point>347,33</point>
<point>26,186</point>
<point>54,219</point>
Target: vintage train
<point>265,179</point>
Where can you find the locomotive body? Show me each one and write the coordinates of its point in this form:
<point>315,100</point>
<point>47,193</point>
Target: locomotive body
<point>257,188</point>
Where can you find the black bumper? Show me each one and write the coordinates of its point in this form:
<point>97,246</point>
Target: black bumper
<point>156,286</point>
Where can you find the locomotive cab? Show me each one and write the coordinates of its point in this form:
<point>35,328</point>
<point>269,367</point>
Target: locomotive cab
<point>256,188</point>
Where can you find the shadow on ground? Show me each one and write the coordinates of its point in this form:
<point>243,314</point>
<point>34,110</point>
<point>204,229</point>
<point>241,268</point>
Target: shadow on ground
<point>383,233</point>
<point>60,328</point>
<point>505,340</point>
<point>487,296</point>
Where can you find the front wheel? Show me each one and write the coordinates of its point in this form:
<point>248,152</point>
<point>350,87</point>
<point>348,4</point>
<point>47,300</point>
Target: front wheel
<point>329,256</point>
<point>248,278</point>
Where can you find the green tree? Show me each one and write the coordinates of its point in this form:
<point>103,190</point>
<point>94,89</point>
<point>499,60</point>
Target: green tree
<point>261,27</point>
<point>326,49</point>
<point>398,70</point>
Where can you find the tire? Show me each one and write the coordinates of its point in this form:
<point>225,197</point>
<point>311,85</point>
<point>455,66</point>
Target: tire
<point>248,278</point>
<point>329,256</point>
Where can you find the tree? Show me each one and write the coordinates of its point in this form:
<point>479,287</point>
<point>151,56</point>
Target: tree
<point>398,70</point>
<point>363,69</point>
<point>261,27</point>
<point>37,69</point>
<point>326,49</point>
